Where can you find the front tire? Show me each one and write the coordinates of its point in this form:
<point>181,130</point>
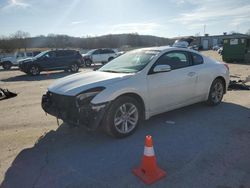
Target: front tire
<point>74,67</point>
<point>216,92</point>
<point>88,63</point>
<point>123,117</point>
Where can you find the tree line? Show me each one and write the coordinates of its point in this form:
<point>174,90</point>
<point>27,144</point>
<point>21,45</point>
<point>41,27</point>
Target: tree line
<point>22,40</point>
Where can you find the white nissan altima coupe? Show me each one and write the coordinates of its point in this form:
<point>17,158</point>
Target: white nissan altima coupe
<point>136,86</point>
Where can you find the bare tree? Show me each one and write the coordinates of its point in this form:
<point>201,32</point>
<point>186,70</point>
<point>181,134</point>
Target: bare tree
<point>233,32</point>
<point>20,38</point>
<point>248,32</point>
<point>6,45</point>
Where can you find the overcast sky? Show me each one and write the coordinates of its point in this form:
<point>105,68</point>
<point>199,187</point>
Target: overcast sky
<point>167,18</point>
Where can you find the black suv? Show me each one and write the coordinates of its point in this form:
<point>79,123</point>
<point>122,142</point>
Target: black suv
<point>68,60</point>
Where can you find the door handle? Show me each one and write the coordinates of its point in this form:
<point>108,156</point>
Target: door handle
<point>191,74</point>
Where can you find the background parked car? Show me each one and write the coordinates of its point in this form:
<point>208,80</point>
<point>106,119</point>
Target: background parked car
<point>216,47</point>
<point>8,62</point>
<point>120,53</point>
<point>220,50</point>
<point>194,47</point>
<point>68,60</point>
<point>99,56</point>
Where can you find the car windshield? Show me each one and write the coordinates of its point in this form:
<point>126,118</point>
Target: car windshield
<point>40,54</point>
<point>130,62</point>
<point>90,52</point>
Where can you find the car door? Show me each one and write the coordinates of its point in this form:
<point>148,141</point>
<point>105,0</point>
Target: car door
<point>96,56</point>
<point>48,61</point>
<point>173,88</point>
<point>63,58</point>
<point>111,54</point>
<point>105,55</point>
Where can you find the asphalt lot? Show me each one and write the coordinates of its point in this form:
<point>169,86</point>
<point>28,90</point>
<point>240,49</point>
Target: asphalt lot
<point>204,147</point>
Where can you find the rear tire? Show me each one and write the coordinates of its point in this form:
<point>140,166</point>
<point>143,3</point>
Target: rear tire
<point>123,117</point>
<point>34,70</point>
<point>74,67</point>
<point>216,92</point>
<point>7,65</point>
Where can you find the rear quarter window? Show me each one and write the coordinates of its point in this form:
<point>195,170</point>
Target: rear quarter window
<point>197,59</point>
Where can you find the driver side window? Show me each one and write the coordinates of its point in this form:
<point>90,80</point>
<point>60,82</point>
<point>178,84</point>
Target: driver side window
<point>51,55</point>
<point>175,60</point>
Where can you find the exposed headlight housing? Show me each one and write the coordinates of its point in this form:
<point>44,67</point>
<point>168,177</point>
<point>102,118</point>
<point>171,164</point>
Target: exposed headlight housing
<point>84,98</point>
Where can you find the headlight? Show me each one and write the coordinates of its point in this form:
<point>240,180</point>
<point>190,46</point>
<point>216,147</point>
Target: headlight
<point>84,98</point>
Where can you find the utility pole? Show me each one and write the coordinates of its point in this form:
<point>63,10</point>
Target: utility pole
<point>204,29</point>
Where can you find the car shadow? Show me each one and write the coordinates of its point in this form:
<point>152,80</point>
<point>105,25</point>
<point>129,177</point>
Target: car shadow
<point>42,76</point>
<point>12,69</point>
<point>73,157</point>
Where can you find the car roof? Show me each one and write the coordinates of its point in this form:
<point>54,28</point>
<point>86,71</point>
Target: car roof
<point>168,48</point>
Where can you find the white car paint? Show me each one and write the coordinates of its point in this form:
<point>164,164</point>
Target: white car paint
<point>14,60</point>
<point>101,55</point>
<point>160,92</point>
<point>74,84</point>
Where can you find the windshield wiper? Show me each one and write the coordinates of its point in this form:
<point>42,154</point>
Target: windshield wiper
<point>116,71</point>
<point>110,71</point>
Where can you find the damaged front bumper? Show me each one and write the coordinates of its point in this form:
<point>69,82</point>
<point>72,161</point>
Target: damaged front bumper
<point>65,108</point>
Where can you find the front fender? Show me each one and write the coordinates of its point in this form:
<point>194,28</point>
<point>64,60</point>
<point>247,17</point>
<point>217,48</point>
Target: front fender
<point>113,92</point>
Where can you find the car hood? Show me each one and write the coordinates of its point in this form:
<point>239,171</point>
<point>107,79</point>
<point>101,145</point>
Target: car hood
<point>25,60</point>
<point>7,58</point>
<point>77,83</point>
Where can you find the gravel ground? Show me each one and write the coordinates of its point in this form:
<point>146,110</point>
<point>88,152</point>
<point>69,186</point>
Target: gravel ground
<point>198,146</point>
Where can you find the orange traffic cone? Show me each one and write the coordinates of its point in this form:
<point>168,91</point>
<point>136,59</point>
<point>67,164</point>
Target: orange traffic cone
<point>149,172</point>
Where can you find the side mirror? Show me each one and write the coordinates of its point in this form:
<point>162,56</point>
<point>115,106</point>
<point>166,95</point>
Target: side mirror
<point>162,68</point>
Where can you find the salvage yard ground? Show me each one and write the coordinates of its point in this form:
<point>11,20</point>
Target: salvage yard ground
<point>201,147</point>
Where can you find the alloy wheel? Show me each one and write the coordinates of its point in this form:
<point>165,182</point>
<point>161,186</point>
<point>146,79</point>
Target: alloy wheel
<point>126,118</point>
<point>74,68</point>
<point>217,92</point>
<point>34,70</point>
